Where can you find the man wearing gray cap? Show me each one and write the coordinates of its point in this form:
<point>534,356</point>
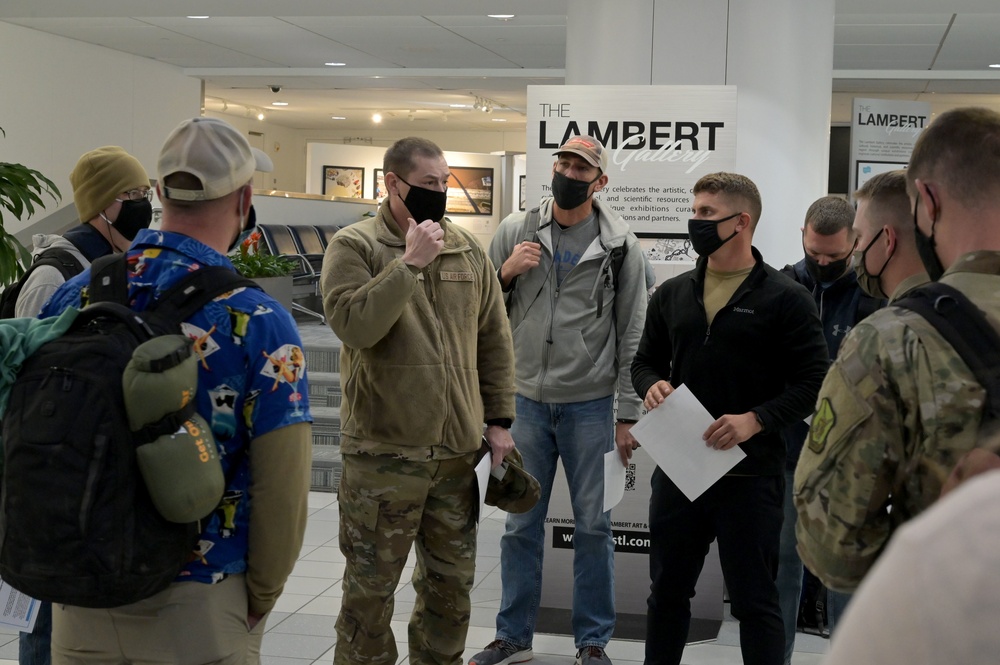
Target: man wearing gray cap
<point>574,280</point>
<point>249,348</point>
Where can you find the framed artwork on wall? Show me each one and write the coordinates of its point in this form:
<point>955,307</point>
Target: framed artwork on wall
<point>346,181</point>
<point>521,193</point>
<point>470,191</point>
<point>380,191</point>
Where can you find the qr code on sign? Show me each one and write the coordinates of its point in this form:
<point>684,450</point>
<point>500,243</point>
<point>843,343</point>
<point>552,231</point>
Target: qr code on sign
<point>630,478</point>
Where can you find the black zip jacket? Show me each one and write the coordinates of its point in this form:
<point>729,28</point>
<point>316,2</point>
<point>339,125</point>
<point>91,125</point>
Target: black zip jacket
<point>765,352</point>
<point>841,306</point>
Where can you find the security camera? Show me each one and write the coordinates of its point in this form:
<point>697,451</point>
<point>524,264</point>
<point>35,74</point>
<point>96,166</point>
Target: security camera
<point>275,88</point>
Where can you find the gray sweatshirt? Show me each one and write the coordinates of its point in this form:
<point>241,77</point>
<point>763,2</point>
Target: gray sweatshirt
<point>563,351</point>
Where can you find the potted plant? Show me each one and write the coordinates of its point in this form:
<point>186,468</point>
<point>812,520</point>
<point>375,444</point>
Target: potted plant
<point>273,273</point>
<point>20,192</point>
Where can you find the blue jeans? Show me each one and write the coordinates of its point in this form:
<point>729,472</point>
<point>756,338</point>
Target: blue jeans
<point>836,605</point>
<point>789,579</point>
<point>34,648</point>
<point>579,433</point>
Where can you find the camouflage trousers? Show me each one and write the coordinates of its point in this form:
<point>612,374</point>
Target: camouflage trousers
<point>386,506</point>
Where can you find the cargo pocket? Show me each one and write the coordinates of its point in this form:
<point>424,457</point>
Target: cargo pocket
<point>358,522</point>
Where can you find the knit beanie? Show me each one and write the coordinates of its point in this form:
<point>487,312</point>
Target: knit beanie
<point>101,175</point>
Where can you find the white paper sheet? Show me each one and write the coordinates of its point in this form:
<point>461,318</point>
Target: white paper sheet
<point>614,479</point>
<point>19,610</point>
<point>671,434</point>
<point>482,478</point>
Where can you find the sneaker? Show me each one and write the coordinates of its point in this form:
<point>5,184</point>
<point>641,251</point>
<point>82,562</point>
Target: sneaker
<point>592,656</point>
<point>501,652</point>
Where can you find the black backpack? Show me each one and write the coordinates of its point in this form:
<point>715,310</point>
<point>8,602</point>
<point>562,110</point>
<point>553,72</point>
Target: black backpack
<point>61,259</point>
<point>77,524</point>
<point>965,327</point>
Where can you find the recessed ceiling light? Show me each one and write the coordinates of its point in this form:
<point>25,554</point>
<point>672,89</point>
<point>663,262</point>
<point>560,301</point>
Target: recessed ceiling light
<point>337,117</point>
<point>376,118</point>
<point>459,106</point>
<point>199,17</point>
<point>335,64</point>
<point>501,16</point>
<point>279,103</point>
<point>499,119</point>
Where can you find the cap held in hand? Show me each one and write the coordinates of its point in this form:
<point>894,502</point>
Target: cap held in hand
<point>516,490</point>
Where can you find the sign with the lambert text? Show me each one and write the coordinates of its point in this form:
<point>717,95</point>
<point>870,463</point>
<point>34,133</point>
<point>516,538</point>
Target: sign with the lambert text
<point>883,132</point>
<point>660,139</point>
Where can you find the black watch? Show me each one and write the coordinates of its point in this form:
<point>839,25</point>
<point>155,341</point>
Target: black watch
<point>627,421</point>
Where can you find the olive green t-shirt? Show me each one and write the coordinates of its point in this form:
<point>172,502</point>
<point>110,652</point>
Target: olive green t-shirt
<point>720,287</point>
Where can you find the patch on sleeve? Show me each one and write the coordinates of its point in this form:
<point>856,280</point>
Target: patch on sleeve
<point>822,424</point>
<point>456,276</point>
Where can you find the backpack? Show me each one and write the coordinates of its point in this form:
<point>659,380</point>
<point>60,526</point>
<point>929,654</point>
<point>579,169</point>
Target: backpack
<point>611,269</point>
<point>77,524</point>
<point>61,259</point>
<point>966,329</point>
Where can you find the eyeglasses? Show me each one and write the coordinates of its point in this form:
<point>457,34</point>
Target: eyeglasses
<point>139,194</point>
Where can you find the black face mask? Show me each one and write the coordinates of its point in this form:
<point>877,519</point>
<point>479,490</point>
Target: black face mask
<point>705,236</point>
<point>570,193</point>
<point>133,217</point>
<point>869,283</point>
<point>829,273</point>
<point>424,203</point>
<point>926,245</point>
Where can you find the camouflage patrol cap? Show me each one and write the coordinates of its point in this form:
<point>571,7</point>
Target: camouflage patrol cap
<point>516,491</point>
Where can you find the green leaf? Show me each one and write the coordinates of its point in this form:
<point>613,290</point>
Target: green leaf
<point>21,191</point>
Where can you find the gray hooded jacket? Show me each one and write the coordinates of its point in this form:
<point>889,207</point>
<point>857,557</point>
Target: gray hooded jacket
<point>44,281</point>
<point>563,351</point>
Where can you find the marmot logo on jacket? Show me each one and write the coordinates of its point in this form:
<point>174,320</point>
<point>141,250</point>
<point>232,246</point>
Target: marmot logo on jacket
<point>743,310</point>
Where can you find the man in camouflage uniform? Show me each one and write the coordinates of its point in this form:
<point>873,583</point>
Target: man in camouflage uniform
<point>899,406</point>
<point>886,259</point>
<point>426,361</point>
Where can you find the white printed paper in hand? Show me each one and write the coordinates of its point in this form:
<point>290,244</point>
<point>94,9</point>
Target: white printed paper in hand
<point>614,479</point>
<point>482,478</point>
<point>18,610</point>
<point>671,434</point>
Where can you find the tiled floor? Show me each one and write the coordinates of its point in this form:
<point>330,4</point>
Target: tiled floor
<point>300,630</point>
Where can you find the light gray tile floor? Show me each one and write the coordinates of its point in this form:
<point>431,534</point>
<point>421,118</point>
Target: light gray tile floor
<point>300,631</point>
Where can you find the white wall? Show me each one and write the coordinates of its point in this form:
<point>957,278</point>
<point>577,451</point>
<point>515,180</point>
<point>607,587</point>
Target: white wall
<point>62,98</point>
<point>283,145</point>
<point>369,158</point>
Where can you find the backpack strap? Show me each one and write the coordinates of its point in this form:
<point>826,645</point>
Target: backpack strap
<point>109,283</point>
<point>109,279</point>
<point>531,220</point>
<point>613,266</point>
<point>62,260</point>
<point>528,234</point>
<point>965,327</point>
<point>194,291</point>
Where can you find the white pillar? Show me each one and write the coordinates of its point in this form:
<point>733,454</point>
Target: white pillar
<point>779,55</point>
<point>609,43</point>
